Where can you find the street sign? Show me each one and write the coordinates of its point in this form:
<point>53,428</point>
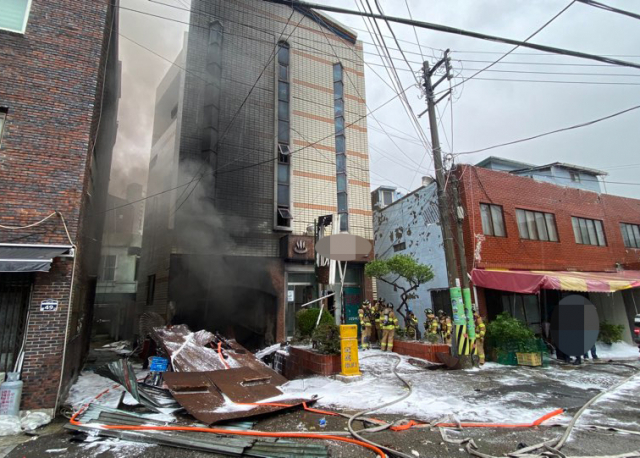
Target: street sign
<point>158,364</point>
<point>349,349</point>
<point>49,305</point>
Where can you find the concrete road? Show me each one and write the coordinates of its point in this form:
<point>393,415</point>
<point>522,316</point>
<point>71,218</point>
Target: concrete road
<point>565,387</point>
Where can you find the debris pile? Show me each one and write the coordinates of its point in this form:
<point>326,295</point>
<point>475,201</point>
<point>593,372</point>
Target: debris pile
<point>215,380</point>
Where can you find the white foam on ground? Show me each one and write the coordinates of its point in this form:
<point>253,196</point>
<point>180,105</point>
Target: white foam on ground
<point>88,386</point>
<point>617,350</point>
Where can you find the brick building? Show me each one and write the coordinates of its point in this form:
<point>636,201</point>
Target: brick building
<point>58,102</point>
<point>267,128</point>
<point>518,224</point>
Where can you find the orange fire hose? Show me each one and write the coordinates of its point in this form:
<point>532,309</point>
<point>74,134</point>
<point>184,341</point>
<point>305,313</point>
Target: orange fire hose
<point>505,425</point>
<point>220,355</point>
<point>75,422</point>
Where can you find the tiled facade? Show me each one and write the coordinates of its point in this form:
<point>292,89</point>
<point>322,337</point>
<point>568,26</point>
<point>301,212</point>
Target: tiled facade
<point>227,128</point>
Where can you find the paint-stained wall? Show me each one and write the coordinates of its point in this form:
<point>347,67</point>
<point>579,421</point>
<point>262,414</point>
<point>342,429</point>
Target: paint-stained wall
<point>411,226</point>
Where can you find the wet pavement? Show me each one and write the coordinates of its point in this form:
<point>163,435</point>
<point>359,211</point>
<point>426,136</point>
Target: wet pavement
<point>516,389</point>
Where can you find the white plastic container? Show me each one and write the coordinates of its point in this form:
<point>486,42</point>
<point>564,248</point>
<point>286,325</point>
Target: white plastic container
<point>10,394</point>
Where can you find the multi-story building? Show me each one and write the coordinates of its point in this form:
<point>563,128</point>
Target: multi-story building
<point>58,101</point>
<point>532,235</point>
<point>115,310</point>
<point>262,134</point>
<point>529,242</point>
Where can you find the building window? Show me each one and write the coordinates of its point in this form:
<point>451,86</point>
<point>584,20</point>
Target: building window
<point>341,148</point>
<point>283,179</point>
<point>630,235</point>
<point>588,231</point>
<point>400,246</point>
<point>15,14</point>
<point>109,264</point>
<point>537,225</point>
<point>387,197</point>
<point>151,288</point>
<point>575,177</point>
<point>492,220</point>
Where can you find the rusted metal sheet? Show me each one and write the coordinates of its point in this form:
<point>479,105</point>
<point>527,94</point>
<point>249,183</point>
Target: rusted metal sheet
<point>244,384</point>
<point>203,398</point>
<point>193,352</point>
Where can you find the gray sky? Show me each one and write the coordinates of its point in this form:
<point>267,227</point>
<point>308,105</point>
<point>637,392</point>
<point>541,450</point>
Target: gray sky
<point>485,113</point>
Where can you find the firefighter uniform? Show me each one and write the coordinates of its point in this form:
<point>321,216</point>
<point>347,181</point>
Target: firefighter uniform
<point>389,324</point>
<point>431,324</point>
<point>377,318</point>
<point>480,332</point>
<point>364,313</point>
<point>445,327</point>
<point>412,325</point>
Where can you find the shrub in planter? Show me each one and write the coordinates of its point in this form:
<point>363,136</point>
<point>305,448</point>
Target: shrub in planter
<point>508,333</point>
<point>432,338</point>
<point>610,333</point>
<point>326,339</point>
<point>306,321</point>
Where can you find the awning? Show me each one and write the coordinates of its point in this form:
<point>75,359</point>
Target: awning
<point>30,257</point>
<point>532,281</point>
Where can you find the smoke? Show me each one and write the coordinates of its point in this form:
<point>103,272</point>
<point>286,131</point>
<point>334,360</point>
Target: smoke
<point>142,71</point>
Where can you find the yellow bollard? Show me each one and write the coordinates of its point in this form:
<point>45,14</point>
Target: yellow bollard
<point>349,349</point>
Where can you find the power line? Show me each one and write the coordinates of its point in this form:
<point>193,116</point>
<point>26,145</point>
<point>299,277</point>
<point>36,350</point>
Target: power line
<point>603,83</point>
<point>610,8</point>
<point>576,126</point>
<point>458,31</point>
<point>517,46</point>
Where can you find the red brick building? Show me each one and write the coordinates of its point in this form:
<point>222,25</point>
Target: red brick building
<point>516,222</point>
<point>58,102</point>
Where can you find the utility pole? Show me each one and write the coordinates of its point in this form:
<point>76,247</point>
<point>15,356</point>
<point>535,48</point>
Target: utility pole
<point>458,346</point>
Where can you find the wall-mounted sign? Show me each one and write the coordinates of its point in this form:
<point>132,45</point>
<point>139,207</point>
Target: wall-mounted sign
<point>49,305</point>
<point>300,247</point>
<point>291,296</point>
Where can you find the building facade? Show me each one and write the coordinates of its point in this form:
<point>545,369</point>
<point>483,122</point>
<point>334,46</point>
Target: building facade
<point>411,225</point>
<point>115,310</point>
<point>262,135</point>
<point>58,104</point>
<point>520,229</point>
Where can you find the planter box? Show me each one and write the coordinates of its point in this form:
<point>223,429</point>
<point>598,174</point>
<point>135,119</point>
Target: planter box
<point>422,350</point>
<point>302,361</point>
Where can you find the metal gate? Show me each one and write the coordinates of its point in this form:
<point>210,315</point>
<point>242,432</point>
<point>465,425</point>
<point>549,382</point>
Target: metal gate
<point>15,290</point>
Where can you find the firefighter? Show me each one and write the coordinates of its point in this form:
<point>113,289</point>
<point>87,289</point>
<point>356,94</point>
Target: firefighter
<point>480,332</point>
<point>431,324</point>
<point>364,314</point>
<point>389,324</point>
<point>411,324</point>
<point>445,327</point>
<point>377,317</point>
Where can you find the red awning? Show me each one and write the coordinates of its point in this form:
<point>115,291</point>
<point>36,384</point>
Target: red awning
<point>532,281</point>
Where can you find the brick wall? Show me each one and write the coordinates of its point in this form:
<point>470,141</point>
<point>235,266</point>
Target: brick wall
<point>51,81</point>
<point>511,252</point>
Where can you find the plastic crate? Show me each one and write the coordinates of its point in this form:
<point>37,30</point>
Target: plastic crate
<point>529,359</point>
<point>507,358</point>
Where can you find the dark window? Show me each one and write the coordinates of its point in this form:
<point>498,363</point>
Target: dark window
<point>536,225</point>
<point>338,107</point>
<point>588,231</point>
<point>575,177</point>
<point>283,194</point>
<point>341,163</point>
<point>400,246</point>
<point>151,288</point>
<point>630,235</point>
<point>387,197</point>
<point>341,148</point>
<point>341,144</point>
<point>492,220</point>
<point>109,264</point>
